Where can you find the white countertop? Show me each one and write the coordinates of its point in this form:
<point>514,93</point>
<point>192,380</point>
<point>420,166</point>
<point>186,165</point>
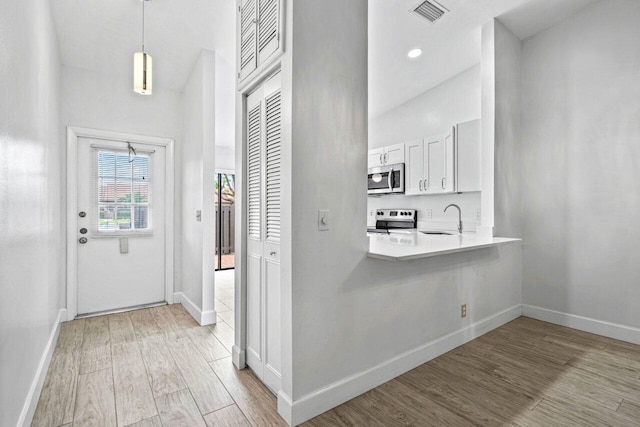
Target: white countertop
<point>403,247</point>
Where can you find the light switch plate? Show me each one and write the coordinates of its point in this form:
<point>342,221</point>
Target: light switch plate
<point>323,220</point>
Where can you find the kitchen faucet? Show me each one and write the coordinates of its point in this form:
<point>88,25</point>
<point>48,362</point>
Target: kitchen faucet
<point>459,216</point>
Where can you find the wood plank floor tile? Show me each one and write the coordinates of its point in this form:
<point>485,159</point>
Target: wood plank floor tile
<point>144,324</point>
<point>134,399</point>
<point>224,333</point>
<point>166,321</point>
<point>179,409</point>
<point>252,397</point>
<point>207,390</point>
<point>57,399</point>
<point>148,422</point>
<point>164,375</point>
<point>58,396</point>
<point>630,410</point>
<point>231,416</point>
<point>220,306</point>
<point>121,328</point>
<point>207,344</point>
<point>183,319</point>
<point>228,317</point>
<point>96,345</point>
<point>95,405</point>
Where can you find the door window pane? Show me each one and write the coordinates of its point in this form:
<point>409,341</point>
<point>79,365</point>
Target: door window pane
<point>123,191</point>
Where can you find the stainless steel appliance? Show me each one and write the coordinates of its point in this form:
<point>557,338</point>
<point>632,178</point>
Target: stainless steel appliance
<point>395,221</point>
<point>386,179</point>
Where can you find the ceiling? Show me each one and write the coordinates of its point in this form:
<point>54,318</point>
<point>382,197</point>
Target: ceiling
<point>450,45</point>
<point>102,35</point>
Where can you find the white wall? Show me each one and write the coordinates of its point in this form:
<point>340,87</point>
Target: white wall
<point>197,103</point>
<point>454,101</point>
<point>103,102</point>
<point>31,203</point>
<point>580,162</point>
<point>349,313</point>
<point>225,94</point>
<point>507,139</point>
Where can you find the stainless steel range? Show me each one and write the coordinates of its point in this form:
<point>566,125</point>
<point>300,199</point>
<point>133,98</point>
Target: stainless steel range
<point>395,221</point>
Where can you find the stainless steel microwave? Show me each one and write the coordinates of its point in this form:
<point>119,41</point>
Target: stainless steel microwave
<point>386,179</point>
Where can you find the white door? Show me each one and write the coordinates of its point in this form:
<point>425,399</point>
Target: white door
<point>414,167</point>
<point>263,241</point>
<point>394,154</point>
<point>121,225</point>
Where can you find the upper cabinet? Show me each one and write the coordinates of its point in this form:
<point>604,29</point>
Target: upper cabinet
<point>445,163</point>
<point>386,156</point>
<point>259,27</point>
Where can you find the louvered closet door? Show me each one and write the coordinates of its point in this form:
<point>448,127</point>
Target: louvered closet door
<point>263,240</point>
<point>268,25</point>
<point>248,37</point>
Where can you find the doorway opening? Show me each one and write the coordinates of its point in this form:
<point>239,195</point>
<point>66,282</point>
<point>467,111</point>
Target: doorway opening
<point>225,185</point>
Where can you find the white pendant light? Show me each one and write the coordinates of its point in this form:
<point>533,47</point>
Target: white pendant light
<point>142,67</point>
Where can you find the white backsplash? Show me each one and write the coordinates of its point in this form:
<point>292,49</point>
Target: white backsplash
<point>469,204</point>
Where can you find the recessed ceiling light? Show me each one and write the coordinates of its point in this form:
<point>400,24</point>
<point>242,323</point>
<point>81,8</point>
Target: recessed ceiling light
<point>414,53</point>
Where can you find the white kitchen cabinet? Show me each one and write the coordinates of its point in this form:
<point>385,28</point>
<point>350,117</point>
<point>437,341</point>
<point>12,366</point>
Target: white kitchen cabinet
<point>389,155</point>
<point>263,352</point>
<point>414,167</point>
<point>375,158</point>
<point>259,26</point>
<point>445,163</point>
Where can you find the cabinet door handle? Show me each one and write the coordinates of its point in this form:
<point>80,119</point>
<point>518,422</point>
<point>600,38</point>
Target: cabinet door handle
<point>420,185</point>
<point>272,253</point>
<point>443,181</point>
<point>386,158</point>
<point>381,162</point>
<point>426,184</point>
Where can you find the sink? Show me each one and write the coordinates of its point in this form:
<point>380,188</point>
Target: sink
<point>441,233</point>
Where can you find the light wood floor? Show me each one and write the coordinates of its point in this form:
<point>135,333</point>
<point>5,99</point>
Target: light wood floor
<point>157,367</point>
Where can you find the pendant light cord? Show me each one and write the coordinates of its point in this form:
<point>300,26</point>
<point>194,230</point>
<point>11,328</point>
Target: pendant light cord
<point>143,1</point>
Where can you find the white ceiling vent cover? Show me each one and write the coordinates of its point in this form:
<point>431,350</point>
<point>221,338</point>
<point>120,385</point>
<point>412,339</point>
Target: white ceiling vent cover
<point>429,10</point>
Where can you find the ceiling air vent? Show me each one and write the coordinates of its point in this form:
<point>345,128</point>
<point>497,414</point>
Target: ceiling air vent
<point>429,10</point>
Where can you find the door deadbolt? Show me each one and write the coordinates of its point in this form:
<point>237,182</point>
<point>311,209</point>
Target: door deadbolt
<point>82,214</point>
<point>82,240</point>
<point>83,231</point>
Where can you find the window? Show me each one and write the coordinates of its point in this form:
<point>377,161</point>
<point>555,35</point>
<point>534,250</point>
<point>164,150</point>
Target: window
<point>122,192</point>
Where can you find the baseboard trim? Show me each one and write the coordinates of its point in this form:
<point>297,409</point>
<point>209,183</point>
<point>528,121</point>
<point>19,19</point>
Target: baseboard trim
<point>594,326</point>
<point>202,317</point>
<point>319,401</point>
<point>238,357</point>
<point>30,404</point>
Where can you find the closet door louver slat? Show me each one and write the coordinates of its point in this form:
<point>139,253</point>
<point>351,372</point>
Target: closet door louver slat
<point>268,24</point>
<point>253,172</point>
<point>248,57</point>
<point>273,164</point>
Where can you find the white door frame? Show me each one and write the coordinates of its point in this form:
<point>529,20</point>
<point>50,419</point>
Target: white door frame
<point>73,133</point>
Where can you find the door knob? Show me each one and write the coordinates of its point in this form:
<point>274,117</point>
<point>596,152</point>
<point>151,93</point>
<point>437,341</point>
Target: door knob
<point>82,214</point>
<point>83,230</point>
<point>272,253</point>
<point>82,240</point>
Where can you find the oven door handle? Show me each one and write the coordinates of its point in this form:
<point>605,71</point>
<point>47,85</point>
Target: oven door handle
<point>390,180</point>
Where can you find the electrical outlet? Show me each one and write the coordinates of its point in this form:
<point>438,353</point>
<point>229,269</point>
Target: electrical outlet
<point>429,214</point>
<point>478,214</point>
<point>463,310</point>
